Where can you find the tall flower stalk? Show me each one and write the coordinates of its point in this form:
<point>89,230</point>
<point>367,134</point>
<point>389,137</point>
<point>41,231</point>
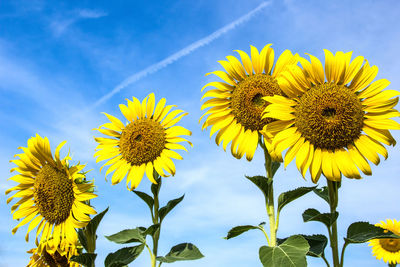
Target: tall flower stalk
<point>144,145</point>
<point>333,121</point>
<point>236,107</point>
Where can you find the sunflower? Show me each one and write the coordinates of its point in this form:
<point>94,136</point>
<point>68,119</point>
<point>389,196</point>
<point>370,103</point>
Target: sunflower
<point>50,197</point>
<point>387,248</point>
<point>145,143</point>
<point>335,125</point>
<point>237,104</point>
<point>50,254</point>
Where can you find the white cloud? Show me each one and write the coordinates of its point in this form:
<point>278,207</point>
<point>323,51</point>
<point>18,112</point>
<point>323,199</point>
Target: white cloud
<point>181,53</point>
<point>60,24</point>
<point>91,14</point>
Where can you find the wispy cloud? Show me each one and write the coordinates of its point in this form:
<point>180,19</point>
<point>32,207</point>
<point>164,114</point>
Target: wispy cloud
<point>181,53</point>
<point>60,25</point>
<point>91,14</point>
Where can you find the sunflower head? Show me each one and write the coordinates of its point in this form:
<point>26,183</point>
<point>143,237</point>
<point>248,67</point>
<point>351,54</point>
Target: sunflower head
<point>51,191</point>
<point>387,249</point>
<point>237,103</point>
<point>332,120</point>
<point>48,253</point>
<point>146,142</point>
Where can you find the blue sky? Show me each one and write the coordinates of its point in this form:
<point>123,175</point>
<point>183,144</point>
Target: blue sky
<point>57,60</point>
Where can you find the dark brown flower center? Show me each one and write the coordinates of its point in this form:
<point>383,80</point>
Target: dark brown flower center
<point>247,103</point>
<point>53,194</point>
<point>329,116</point>
<point>142,141</point>
<point>55,260</point>
<point>389,244</point>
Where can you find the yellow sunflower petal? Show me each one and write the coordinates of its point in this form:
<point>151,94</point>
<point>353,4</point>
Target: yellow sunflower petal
<point>255,59</point>
<point>246,62</point>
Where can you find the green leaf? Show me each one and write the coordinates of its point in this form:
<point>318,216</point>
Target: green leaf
<point>167,208</point>
<point>314,215</point>
<point>317,244</point>
<point>360,232</point>
<point>151,230</point>
<point>82,239</point>
<point>291,195</point>
<point>146,198</point>
<point>182,252</point>
<point>155,188</point>
<point>123,256</point>
<point>238,230</point>
<point>128,236</point>
<point>322,193</point>
<point>262,183</point>
<point>275,166</point>
<point>86,259</point>
<point>91,227</point>
<point>291,253</point>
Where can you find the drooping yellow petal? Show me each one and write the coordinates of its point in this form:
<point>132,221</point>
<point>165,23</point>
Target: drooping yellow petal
<point>149,172</point>
<point>315,169</point>
<point>251,145</point>
<point>359,160</point>
<point>293,150</point>
<point>379,135</point>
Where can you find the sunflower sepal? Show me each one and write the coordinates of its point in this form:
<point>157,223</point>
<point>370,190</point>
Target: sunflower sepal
<point>292,252</point>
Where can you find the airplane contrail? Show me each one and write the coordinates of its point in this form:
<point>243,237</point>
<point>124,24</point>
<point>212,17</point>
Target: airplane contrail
<point>181,53</point>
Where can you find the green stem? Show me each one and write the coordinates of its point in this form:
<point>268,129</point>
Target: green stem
<point>327,263</point>
<point>152,257</point>
<point>333,202</point>
<point>392,264</point>
<point>270,200</point>
<point>342,254</point>
<point>265,233</point>
<point>155,218</point>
